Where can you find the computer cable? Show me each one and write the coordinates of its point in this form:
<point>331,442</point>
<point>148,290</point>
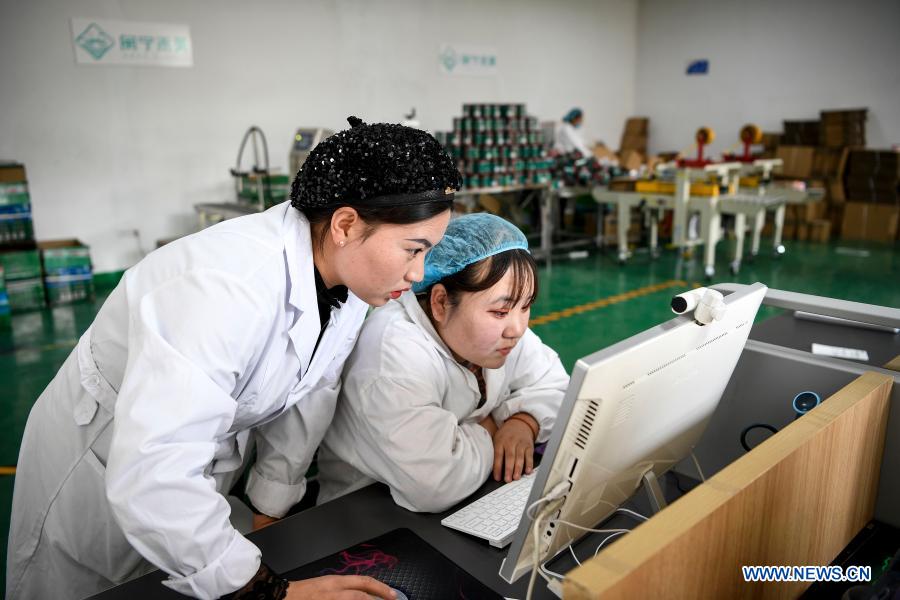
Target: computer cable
<point>609,537</point>
<point>555,493</point>
<point>572,552</point>
<point>636,515</point>
<point>536,551</point>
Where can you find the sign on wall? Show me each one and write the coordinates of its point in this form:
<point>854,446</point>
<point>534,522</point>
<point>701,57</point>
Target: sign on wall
<point>107,42</point>
<point>467,60</point>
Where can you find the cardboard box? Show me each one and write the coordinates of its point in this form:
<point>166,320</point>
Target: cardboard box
<point>798,161</point>
<point>835,191</point>
<point>800,133</point>
<point>25,294</point>
<point>16,225</point>
<point>66,289</point>
<point>810,211</point>
<point>21,264</point>
<point>602,152</point>
<point>630,160</point>
<point>789,232</point>
<point>14,193</point>
<point>12,172</point>
<point>869,222</point>
<point>637,125</point>
<point>65,257</point>
<point>820,231</point>
<point>858,115</point>
<point>634,142</point>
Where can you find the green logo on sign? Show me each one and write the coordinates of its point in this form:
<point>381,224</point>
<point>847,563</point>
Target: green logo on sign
<point>448,59</point>
<point>95,41</point>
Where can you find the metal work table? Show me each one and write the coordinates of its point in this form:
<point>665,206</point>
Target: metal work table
<point>546,199</point>
<point>211,213</point>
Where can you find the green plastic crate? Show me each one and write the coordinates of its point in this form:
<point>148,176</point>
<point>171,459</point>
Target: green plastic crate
<point>21,264</point>
<point>26,294</point>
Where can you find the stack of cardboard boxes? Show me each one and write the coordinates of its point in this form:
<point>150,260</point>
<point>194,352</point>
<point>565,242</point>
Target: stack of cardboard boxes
<point>19,257</point>
<point>16,227</point>
<point>770,143</point>
<point>24,285</point>
<point>816,152</point>
<point>800,133</point>
<point>34,272</point>
<point>872,209</point>
<point>843,128</point>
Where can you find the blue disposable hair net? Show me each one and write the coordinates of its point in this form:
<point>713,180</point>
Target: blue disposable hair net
<point>572,115</point>
<point>469,239</point>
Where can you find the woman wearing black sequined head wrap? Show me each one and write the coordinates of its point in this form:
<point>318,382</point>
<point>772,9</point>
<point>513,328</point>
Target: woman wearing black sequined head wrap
<point>245,326</point>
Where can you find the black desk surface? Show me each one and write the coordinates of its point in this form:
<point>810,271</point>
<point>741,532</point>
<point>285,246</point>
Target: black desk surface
<point>790,332</point>
<point>370,512</point>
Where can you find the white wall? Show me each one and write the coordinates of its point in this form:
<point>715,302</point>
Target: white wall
<point>770,60</point>
<point>111,151</point>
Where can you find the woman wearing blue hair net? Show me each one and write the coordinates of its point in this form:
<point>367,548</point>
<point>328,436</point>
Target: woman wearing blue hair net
<point>568,138</point>
<point>447,385</point>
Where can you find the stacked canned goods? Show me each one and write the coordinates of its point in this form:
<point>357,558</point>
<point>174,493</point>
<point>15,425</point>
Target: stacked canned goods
<point>497,145</point>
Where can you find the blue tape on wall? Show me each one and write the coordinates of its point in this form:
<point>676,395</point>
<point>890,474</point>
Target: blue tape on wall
<point>698,67</point>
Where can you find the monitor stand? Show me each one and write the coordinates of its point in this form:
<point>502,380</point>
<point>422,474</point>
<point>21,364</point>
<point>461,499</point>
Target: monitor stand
<point>654,492</point>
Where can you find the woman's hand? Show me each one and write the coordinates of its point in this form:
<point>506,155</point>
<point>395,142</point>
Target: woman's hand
<point>514,448</point>
<point>260,521</point>
<point>339,587</point>
<point>489,424</point>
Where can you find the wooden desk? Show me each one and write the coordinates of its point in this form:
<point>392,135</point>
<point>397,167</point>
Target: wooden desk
<point>797,499</point>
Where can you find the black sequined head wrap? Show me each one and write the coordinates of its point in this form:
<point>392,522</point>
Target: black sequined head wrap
<point>375,165</point>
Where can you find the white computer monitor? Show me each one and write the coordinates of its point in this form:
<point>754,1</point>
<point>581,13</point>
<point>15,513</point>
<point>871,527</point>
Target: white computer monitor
<point>632,411</point>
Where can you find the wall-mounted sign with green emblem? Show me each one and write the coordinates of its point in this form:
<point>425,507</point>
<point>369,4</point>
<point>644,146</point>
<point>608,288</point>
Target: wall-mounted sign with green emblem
<point>454,59</point>
<point>107,42</point>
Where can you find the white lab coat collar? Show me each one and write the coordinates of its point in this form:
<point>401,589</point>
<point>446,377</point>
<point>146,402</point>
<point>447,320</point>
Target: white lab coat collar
<point>302,291</point>
<point>298,251</point>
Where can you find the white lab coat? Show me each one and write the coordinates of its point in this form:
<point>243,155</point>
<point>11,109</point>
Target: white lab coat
<point>128,451</point>
<point>407,416</point>
<point>568,139</point>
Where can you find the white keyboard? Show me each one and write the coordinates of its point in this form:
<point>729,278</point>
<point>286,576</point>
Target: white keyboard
<point>495,516</point>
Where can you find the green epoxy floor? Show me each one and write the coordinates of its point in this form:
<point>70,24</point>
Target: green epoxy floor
<point>38,342</point>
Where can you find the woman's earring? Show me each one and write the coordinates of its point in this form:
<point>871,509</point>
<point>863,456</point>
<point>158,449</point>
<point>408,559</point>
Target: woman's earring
<point>341,243</point>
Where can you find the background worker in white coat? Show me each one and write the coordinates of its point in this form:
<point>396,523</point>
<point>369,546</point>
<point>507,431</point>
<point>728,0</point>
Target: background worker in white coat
<point>245,325</point>
<point>449,386</point>
<point>568,137</point>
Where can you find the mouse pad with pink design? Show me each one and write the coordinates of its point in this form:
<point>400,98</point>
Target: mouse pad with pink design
<point>404,561</point>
